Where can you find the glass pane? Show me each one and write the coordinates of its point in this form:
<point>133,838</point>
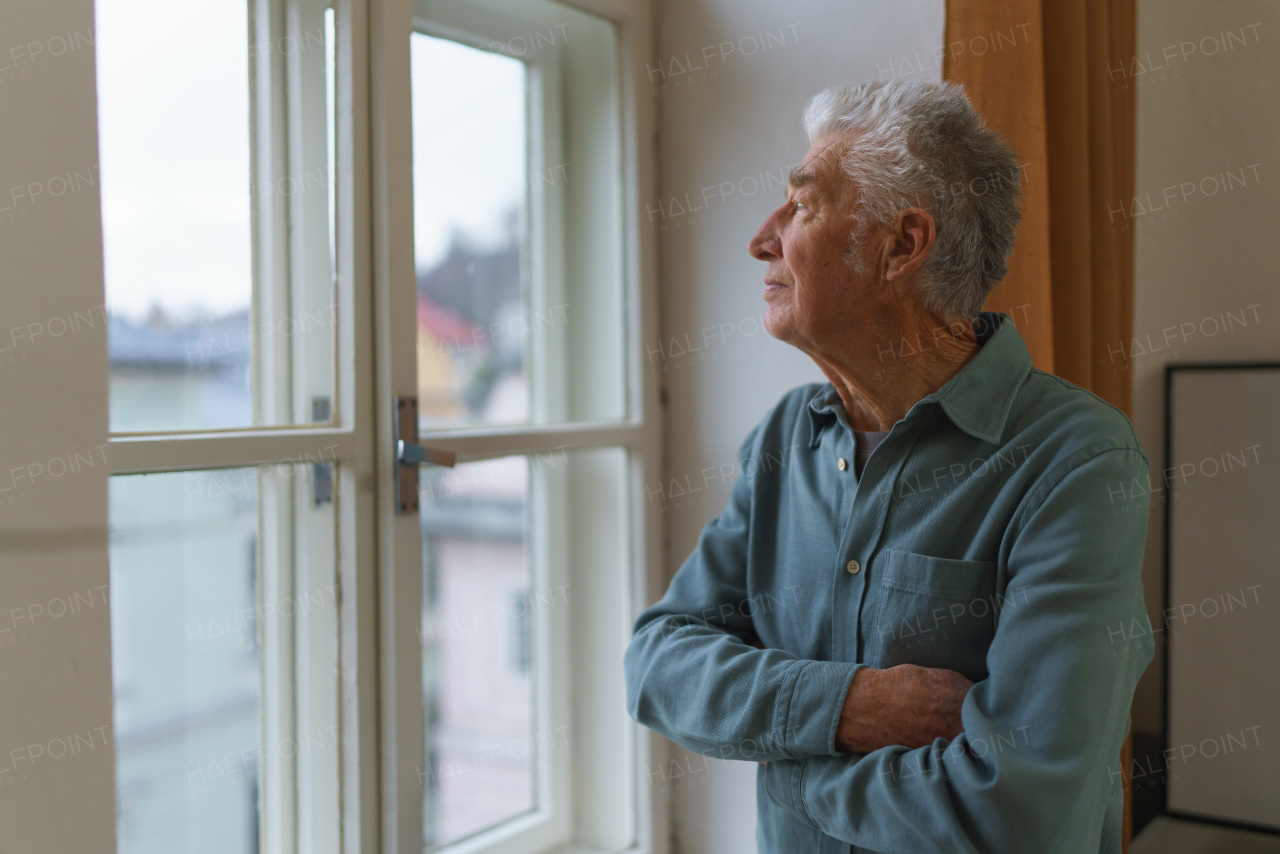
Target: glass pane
<point>477,653</point>
<point>518,214</point>
<point>185,186</point>
<point>186,662</point>
<point>470,170</point>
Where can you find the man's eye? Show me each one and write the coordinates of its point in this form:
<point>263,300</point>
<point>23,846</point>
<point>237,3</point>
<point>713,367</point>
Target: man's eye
<point>798,206</point>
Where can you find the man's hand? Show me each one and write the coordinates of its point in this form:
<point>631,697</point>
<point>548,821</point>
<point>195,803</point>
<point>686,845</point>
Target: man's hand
<point>907,705</point>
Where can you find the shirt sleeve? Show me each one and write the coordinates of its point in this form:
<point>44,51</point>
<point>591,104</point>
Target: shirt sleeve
<point>1039,755</point>
<point>692,676</point>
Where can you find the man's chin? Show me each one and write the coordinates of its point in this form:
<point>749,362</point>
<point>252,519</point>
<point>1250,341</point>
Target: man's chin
<point>777,324</point>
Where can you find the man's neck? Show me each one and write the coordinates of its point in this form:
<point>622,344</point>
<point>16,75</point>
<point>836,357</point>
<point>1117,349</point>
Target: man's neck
<point>878,393</point>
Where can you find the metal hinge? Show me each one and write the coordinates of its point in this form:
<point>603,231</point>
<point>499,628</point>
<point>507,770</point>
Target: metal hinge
<point>321,473</point>
<point>410,455</point>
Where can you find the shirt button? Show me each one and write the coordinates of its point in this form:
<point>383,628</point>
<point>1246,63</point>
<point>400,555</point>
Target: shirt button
<point>853,566</point>
<point>842,464</point>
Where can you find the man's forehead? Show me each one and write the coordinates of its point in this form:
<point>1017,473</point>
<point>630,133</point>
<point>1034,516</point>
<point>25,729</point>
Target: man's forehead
<point>820,164</point>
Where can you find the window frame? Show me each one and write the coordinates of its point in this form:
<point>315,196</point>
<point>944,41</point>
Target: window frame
<point>302,654</point>
<point>377,791</point>
<point>637,433</point>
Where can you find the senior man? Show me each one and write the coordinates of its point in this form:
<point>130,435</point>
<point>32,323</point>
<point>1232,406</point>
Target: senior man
<point>922,609</point>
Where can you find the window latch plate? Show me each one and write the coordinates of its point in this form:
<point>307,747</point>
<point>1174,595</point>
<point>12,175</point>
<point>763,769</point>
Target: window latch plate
<point>410,455</point>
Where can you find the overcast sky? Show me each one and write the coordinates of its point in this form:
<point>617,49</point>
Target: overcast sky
<point>173,95</point>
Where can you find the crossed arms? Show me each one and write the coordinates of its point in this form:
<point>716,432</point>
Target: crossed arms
<point>877,758</point>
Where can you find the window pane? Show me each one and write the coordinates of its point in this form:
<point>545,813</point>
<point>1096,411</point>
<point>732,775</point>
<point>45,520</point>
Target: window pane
<point>477,652</point>
<point>470,169</point>
<point>186,661</point>
<point>188,185</point>
<point>518,214</point>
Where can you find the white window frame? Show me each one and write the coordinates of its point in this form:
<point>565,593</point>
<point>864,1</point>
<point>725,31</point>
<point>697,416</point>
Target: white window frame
<point>608,783</point>
<point>303,695</point>
<point>370,797</point>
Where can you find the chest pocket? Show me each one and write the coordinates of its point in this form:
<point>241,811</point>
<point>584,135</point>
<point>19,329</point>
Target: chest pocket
<point>934,612</point>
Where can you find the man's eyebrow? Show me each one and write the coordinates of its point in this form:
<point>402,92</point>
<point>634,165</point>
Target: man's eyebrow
<point>799,178</point>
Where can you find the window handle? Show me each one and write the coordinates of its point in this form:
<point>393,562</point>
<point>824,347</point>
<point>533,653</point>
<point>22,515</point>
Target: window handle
<point>410,455</point>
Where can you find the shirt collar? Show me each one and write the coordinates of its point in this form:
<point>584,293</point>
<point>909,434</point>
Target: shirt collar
<point>977,399</point>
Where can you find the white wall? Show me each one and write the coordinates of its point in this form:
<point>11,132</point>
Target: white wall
<point>56,760</point>
<point>737,75</point>
<point>1206,88</point>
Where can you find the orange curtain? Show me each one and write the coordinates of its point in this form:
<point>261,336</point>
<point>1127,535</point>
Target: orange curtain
<point>1041,72</point>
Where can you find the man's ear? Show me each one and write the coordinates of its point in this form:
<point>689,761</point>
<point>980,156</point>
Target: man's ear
<point>910,240</point>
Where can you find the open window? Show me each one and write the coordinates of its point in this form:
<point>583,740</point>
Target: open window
<point>232,426</point>
<point>523,348</point>
<point>313,209</point>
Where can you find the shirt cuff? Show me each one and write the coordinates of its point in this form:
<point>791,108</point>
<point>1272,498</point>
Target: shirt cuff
<point>813,715</point>
<point>782,782</point>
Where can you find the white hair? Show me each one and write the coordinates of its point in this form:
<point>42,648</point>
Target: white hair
<point>922,144</point>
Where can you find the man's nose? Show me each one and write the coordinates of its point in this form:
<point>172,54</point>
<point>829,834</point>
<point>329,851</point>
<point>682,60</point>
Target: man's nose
<point>765,245</point>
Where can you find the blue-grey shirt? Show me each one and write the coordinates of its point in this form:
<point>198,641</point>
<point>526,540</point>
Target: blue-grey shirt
<point>997,531</point>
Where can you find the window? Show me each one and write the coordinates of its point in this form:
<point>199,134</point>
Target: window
<point>232,430</point>
<point>311,210</point>
<point>216,219</point>
<point>518,235</point>
<point>522,341</point>
<point>471,232</point>
<point>187,664</point>
<point>480,752</point>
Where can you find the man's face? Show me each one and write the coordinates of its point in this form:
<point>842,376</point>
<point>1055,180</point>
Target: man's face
<point>814,295</point>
